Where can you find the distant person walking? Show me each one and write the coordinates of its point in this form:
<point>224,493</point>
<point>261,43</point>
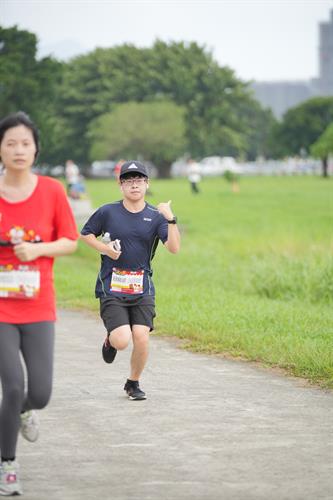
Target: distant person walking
<point>72,174</point>
<point>36,225</point>
<point>117,169</point>
<point>124,285</point>
<point>194,175</point>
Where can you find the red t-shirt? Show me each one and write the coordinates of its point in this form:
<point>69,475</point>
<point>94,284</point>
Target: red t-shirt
<point>44,216</point>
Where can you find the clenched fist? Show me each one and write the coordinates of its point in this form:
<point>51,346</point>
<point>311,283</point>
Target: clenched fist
<point>165,210</point>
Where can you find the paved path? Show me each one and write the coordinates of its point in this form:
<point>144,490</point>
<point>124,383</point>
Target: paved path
<point>211,429</point>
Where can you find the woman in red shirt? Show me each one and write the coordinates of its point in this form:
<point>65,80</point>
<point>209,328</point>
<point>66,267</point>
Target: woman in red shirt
<point>36,225</point>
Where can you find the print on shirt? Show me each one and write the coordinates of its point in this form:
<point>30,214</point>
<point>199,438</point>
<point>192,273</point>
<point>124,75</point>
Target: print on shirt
<point>17,235</point>
<point>19,281</point>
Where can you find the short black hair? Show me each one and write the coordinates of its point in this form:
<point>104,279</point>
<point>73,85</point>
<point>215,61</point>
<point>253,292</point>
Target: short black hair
<point>17,119</point>
<point>132,175</point>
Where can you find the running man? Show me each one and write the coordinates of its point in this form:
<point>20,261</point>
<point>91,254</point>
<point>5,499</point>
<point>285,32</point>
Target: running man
<point>124,284</point>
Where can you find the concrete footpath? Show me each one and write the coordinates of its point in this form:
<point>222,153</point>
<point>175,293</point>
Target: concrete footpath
<point>211,429</point>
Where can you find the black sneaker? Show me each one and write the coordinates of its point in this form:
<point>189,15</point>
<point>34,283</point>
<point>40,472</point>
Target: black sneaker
<point>133,390</point>
<point>108,352</point>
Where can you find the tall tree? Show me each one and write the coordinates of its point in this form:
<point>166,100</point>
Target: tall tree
<point>221,111</point>
<point>151,130</point>
<point>323,147</point>
<point>28,84</point>
<point>302,125</point>
<point>93,85</point>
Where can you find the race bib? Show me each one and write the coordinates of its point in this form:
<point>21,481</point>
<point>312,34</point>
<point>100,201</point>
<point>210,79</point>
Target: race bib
<point>124,281</point>
<point>19,282</point>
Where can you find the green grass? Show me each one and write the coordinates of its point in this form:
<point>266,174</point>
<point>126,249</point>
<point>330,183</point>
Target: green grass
<point>254,277</point>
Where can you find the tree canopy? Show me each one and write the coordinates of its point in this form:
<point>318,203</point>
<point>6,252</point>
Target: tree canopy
<point>323,147</point>
<point>302,125</point>
<point>147,130</point>
<point>28,84</point>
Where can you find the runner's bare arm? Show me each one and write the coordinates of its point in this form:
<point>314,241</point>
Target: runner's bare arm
<point>173,241</point>
<point>107,249</point>
<point>27,251</point>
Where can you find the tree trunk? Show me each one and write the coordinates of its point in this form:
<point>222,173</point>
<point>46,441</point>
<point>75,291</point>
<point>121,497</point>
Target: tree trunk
<point>164,170</point>
<point>235,187</point>
<point>325,166</point>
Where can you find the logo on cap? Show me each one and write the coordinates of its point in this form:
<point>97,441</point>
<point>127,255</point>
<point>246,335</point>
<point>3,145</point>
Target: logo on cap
<point>132,166</point>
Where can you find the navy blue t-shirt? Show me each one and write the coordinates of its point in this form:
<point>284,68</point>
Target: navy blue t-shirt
<point>139,234</point>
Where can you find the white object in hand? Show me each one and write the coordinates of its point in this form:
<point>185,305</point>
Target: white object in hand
<point>106,239</point>
<point>116,245</point>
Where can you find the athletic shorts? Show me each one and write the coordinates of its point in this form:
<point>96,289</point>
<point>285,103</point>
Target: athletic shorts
<point>118,311</point>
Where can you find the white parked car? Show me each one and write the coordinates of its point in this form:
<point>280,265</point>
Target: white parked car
<point>217,165</point>
<point>102,169</point>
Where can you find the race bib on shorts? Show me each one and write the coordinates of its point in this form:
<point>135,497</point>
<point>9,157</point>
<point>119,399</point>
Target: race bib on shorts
<point>124,281</point>
<point>19,281</point>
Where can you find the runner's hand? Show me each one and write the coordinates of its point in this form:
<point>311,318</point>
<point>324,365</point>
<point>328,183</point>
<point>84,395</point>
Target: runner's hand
<point>111,252</point>
<point>27,251</point>
<point>165,210</point>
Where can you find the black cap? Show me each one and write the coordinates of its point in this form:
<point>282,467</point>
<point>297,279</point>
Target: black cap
<point>133,167</point>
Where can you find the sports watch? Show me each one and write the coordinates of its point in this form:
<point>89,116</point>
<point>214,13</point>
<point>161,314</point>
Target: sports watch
<point>172,221</point>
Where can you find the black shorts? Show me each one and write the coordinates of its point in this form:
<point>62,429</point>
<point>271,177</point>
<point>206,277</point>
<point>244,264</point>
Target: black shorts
<point>118,311</point>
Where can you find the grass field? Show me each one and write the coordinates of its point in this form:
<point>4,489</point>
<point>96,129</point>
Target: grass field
<point>254,277</point>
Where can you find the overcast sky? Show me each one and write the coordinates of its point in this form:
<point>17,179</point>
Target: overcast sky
<point>259,39</point>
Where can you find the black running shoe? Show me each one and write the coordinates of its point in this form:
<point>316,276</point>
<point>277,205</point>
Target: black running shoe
<point>133,390</point>
<point>108,352</point>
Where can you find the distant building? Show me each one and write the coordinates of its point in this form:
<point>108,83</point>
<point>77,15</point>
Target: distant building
<point>282,95</point>
<point>325,80</point>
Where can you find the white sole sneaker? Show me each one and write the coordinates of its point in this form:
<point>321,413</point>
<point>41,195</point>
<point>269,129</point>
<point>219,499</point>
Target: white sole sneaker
<point>30,426</point>
<point>9,481</point>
